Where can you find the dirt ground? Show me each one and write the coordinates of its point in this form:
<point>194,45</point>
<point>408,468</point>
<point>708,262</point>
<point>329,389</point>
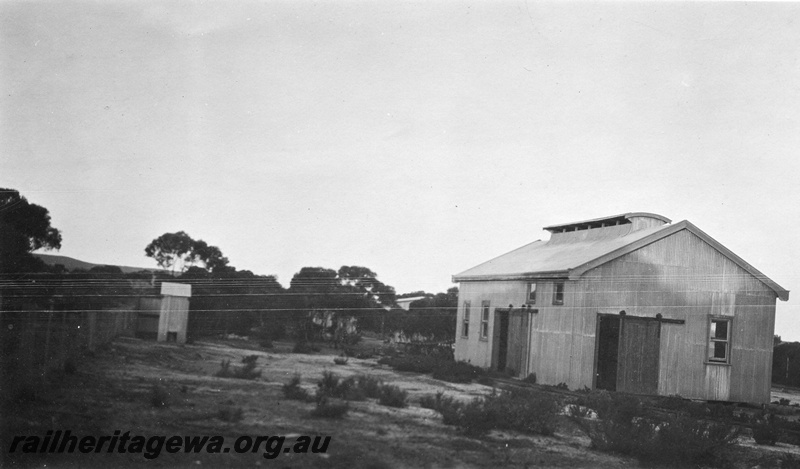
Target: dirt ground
<point>113,391</point>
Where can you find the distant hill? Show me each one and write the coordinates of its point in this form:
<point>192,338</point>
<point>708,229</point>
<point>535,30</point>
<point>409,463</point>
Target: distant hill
<point>72,264</point>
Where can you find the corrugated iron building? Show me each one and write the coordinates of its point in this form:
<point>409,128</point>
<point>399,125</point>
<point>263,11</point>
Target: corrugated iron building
<point>629,302</point>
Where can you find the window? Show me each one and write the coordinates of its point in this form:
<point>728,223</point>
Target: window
<point>719,344</point>
<point>484,320</point>
<point>558,293</point>
<point>531,293</point>
<point>465,325</point>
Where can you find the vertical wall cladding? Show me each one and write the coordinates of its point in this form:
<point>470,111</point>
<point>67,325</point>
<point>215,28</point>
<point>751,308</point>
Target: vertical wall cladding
<point>682,277</point>
<point>751,343</point>
<point>500,294</point>
<point>562,338</point>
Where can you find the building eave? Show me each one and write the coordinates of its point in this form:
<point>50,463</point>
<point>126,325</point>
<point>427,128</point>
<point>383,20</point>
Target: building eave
<point>558,274</point>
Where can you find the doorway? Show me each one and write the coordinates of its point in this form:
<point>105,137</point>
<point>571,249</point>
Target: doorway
<point>607,352</point>
<point>628,353</point>
<point>501,338</point>
<point>511,340</point>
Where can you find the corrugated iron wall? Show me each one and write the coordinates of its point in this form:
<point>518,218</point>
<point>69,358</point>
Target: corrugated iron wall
<point>680,277</point>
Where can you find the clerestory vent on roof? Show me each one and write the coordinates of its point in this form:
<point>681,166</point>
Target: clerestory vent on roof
<point>606,227</point>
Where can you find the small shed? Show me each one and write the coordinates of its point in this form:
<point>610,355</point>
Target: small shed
<point>630,303</point>
<point>165,318</point>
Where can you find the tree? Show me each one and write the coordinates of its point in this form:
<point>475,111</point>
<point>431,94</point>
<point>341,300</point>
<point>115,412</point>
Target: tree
<point>179,249</point>
<point>169,249</point>
<point>233,301</point>
<point>24,228</point>
<point>210,256</point>
<point>350,292</point>
<point>366,280</point>
<point>432,317</point>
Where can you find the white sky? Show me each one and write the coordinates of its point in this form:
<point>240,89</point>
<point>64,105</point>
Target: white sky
<point>417,139</point>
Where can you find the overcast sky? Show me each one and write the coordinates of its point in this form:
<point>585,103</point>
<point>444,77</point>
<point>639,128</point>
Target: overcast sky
<point>417,139</point>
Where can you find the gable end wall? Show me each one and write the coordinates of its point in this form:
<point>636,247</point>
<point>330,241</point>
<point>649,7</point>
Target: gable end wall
<point>682,277</point>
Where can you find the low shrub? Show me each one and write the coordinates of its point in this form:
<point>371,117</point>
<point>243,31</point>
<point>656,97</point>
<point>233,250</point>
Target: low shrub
<point>340,360</point>
<point>457,372</point>
<point>370,385</point>
<point>304,347</point>
<point>684,439</point>
<point>415,363</point>
<point>350,389</point>
<point>386,361</point>
<point>530,379</point>
<point>250,360</point>
<point>230,414</point>
<point>326,408</point>
<point>328,385</point>
<point>353,388</point>
<point>475,418</point>
<point>691,408</point>
<point>626,426</point>
<point>789,461</point>
<point>224,370</point>
<point>351,339</point>
<point>430,401</point>
<point>559,386</point>
<point>766,429</point>
<point>721,411</point>
<point>392,396</point>
<point>485,380</point>
<point>292,390</point>
<point>248,371</point>
<point>522,411</point>
<point>159,396</point>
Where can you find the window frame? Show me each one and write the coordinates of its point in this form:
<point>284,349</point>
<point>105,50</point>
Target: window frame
<point>556,300</point>
<point>531,290</point>
<point>712,341</point>
<point>465,320</point>
<point>485,313</point>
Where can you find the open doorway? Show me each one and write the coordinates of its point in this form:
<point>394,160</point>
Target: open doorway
<point>511,340</point>
<point>501,338</point>
<point>607,352</point>
<point>628,352</point>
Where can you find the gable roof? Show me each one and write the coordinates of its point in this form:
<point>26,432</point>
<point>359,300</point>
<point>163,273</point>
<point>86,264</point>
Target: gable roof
<point>572,259</point>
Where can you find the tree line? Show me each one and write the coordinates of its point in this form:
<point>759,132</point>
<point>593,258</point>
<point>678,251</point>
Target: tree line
<point>224,299</point>
<point>786,363</point>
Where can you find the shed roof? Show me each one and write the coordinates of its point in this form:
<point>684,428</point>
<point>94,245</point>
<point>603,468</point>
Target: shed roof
<point>572,258</point>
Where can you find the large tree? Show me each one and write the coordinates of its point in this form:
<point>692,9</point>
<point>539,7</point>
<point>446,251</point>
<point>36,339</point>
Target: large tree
<point>172,250</point>
<point>352,291</point>
<point>231,300</point>
<point>24,228</point>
